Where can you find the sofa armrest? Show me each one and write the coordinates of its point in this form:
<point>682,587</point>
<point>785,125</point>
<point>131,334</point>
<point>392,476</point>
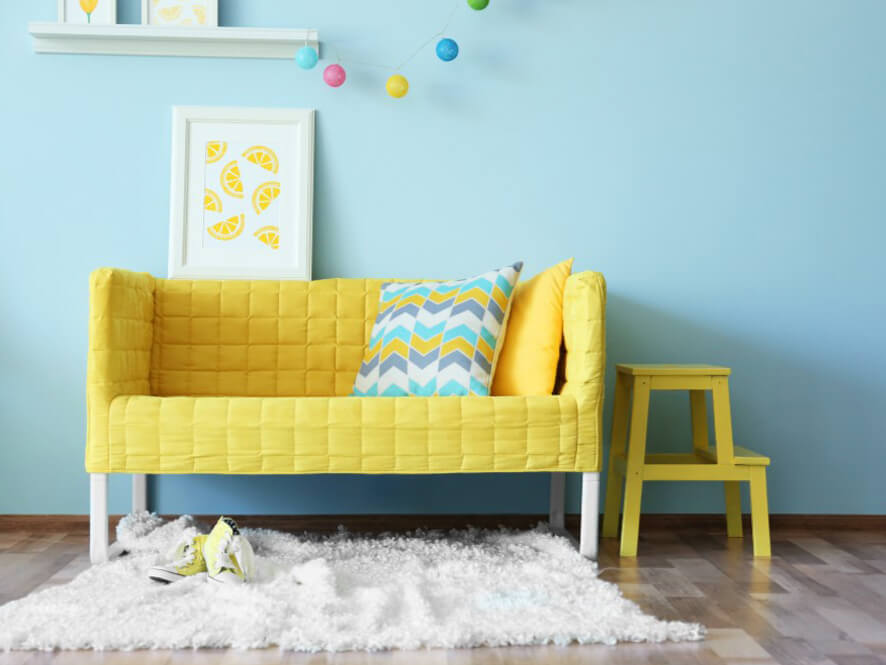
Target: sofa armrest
<point>584,337</point>
<point>121,316</point>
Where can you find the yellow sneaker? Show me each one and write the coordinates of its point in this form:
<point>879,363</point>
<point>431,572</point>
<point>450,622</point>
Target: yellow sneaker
<point>229,557</point>
<point>187,559</point>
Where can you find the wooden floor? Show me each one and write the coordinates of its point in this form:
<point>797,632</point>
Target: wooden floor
<point>820,600</point>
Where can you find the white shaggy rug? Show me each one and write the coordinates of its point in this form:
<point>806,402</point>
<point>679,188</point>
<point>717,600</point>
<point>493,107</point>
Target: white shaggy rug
<point>341,592</point>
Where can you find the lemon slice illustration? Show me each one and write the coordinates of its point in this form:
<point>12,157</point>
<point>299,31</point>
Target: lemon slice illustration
<point>269,235</point>
<point>170,14</point>
<point>212,201</point>
<point>228,229</point>
<point>215,150</point>
<point>264,195</point>
<point>264,157</point>
<point>230,180</point>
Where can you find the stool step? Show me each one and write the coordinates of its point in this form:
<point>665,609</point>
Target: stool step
<point>741,456</point>
<point>696,472</point>
<point>647,369</point>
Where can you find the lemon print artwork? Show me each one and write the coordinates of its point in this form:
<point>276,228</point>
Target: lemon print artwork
<point>269,235</point>
<point>181,12</point>
<point>264,157</point>
<point>170,14</point>
<point>215,150</point>
<point>230,180</point>
<point>244,199</point>
<point>264,195</point>
<point>212,201</point>
<point>229,228</point>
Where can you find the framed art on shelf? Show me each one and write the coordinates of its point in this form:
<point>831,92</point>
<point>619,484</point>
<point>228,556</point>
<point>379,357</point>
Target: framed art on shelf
<point>92,12</point>
<point>241,195</point>
<point>186,13</point>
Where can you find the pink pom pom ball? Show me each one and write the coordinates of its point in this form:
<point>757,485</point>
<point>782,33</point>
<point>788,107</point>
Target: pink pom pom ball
<point>334,75</point>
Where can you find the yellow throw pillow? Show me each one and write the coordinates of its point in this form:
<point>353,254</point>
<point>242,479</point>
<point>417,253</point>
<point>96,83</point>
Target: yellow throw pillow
<point>528,361</point>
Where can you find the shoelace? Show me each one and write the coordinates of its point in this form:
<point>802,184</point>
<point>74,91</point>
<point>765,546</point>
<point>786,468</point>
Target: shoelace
<point>188,554</point>
<point>227,548</point>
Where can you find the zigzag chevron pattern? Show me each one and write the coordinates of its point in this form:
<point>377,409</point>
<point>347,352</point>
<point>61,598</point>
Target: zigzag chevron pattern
<point>436,338</point>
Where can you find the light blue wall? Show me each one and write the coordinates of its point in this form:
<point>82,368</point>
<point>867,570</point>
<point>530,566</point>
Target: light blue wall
<point>721,162</point>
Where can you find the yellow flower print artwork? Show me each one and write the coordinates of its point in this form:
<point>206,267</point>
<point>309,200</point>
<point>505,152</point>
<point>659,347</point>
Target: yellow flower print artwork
<point>183,12</point>
<point>88,6</point>
<point>87,12</point>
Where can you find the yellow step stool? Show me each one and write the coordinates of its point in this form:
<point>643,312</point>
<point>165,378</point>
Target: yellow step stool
<point>725,462</point>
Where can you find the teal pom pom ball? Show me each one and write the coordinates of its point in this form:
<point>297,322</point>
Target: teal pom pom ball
<point>306,57</point>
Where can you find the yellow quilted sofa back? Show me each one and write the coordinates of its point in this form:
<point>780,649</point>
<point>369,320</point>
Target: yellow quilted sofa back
<point>262,338</point>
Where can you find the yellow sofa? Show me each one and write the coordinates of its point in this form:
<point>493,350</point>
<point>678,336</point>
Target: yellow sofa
<point>240,377</point>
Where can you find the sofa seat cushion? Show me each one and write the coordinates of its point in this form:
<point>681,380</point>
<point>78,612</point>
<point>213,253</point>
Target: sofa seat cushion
<point>284,435</point>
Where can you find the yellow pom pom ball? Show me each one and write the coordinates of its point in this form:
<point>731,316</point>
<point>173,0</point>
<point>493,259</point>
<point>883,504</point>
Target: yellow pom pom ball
<point>397,86</point>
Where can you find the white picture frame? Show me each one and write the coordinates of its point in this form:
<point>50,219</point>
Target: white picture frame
<point>104,12</point>
<point>242,210</point>
<point>181,13</point>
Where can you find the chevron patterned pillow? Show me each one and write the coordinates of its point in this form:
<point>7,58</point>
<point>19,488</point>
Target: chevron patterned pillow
<point>437,338</point>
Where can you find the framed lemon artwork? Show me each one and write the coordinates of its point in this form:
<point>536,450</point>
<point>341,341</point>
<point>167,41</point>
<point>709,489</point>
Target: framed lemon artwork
<point>184,13</point>
<point>242,193</point>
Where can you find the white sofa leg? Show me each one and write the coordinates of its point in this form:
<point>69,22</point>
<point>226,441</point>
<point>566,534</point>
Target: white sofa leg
<point>98,517</point>
<point>557,512</point>
<point>139,492</point>
<point>590,514</point>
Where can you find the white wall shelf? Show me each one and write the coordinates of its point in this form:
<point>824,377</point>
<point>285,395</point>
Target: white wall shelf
<point>170,40</point>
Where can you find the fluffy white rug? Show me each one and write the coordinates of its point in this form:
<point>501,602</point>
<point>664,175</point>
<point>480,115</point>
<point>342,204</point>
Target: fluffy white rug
<point>341,592</point>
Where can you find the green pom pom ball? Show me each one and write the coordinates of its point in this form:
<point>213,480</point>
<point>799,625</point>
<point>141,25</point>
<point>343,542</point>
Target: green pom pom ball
<point>478,4</point>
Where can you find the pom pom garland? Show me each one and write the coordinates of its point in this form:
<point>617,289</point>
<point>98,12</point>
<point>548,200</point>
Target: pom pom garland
<point>397,86</point>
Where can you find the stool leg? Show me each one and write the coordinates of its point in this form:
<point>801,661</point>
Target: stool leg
<point>722,421</point>
<point>733,508</point>
<point>634,472</point>
<point>760,512</point>
<point>699,410</point>
<point>614,481</point>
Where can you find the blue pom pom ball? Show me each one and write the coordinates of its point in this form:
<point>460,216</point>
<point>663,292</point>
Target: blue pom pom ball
<point>447,49</point>
<point>306,57</point>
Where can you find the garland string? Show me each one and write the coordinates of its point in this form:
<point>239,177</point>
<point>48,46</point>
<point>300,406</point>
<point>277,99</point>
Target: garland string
<point>367,63</point>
